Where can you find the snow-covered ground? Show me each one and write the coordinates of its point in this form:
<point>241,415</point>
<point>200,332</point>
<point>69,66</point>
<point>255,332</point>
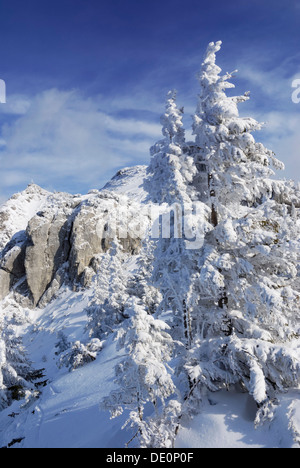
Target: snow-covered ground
<point>19,210</point>
<point>67,414</point>
<point>129,181</point>
<point>227,420</point>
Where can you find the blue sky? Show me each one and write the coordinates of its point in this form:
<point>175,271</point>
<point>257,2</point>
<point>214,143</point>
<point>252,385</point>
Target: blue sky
<point>86,80</point>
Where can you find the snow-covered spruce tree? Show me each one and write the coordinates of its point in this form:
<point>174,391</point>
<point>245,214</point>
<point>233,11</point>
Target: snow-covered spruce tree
<point>77,355</point>
<point>246,328</point>
<point>226,146</point>
<point>167,183</point>
<point>139,284</point>
<point>170,176</point>
<point>15,371</point>
<point>170,181</point>
<point>170,168</point>
<point>106,309</point>
<point>3,397</point>
<point>143,376</point>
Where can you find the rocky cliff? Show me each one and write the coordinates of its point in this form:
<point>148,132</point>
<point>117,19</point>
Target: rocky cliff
<point>48,239</point>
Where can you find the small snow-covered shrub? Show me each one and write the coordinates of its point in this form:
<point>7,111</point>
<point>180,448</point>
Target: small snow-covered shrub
<point>79,354</point>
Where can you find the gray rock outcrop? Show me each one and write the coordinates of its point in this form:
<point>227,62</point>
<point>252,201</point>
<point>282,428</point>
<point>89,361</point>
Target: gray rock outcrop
<point>47,239</point>
<point>47,250</point>
<point>59,242</point>
<point>12,267</point>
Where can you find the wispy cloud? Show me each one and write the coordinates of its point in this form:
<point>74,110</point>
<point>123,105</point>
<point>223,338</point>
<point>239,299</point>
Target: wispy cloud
<point>63,141</point>
<point>16,104</point>
<point>281,134</point>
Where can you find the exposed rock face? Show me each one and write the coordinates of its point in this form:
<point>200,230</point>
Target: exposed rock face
<point>47,239</point>
<point>5,283</point>
<point>96,223</point>
<point>86,242</point>
<point>14,217</point>
<point>12,268</point>
<point>48,249</point>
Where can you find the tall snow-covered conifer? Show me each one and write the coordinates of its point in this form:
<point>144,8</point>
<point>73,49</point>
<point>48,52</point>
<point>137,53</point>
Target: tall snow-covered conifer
<point>234,161</point>
<point>143,376</point>
<point>170,174</point>
<point>248,309</point>
<point>106,308</point>
<point>15,370</point>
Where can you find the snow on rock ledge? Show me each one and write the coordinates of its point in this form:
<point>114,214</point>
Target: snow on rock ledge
<point>47,239</point>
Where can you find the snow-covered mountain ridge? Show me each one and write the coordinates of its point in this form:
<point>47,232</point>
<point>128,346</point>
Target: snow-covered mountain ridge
<point>42,232</point>
<point>169,299</point>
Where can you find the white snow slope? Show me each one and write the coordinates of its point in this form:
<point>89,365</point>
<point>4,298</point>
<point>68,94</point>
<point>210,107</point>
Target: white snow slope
<point>68,415</point>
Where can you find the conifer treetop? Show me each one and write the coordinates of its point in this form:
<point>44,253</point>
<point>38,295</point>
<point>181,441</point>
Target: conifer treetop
<point>171,120</point>
<point>225,141</point>
<point>214,106</point>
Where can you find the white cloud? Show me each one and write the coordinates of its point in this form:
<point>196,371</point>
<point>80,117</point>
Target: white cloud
<point>63,141</point>
<point>282,136</point>
<point>131,127</point>
<point>15,104</point>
